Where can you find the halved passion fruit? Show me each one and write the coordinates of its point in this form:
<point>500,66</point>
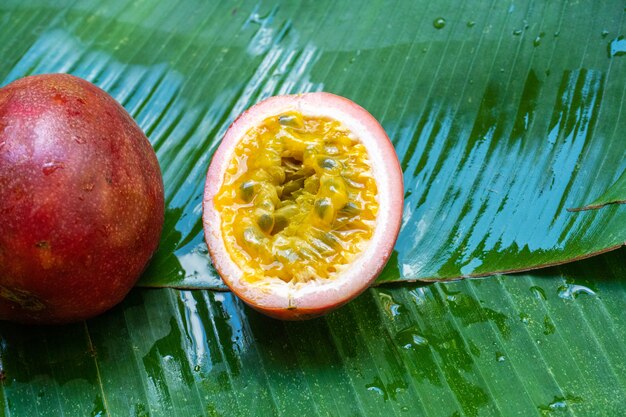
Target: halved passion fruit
<point>302,204</point>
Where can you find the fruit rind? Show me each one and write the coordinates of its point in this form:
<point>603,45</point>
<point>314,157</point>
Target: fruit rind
<point>81,195</point>
<point>303,300</point>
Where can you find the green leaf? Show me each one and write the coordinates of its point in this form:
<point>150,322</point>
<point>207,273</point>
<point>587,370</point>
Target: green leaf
<point>616,194</point>
<point>503,115</point>
<point>549,343</point>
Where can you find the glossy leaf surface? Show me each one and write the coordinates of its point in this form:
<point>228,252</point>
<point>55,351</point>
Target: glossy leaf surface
<point>503,114</point>
<point>616,194</point>
<point>534,345</point>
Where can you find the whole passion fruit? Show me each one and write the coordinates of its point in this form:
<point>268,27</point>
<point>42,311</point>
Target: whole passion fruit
<point>81,200</point>
<point>302,204</point>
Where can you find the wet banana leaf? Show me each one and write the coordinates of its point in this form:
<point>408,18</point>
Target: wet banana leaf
<point>616,194</point>
<point>546,344</point>
<point>503,114</point>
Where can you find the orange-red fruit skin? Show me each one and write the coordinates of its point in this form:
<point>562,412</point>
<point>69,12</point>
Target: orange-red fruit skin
<point>328,297</point>
<point>81,200</point>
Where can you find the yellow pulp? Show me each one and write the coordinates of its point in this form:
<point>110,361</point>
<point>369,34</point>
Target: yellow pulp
<point>298,200</point>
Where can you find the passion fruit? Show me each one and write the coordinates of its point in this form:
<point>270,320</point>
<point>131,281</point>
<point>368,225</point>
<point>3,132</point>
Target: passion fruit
<point>302,204</point>
<point>81,200</point>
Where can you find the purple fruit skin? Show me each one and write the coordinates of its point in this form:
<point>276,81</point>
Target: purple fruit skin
<point>81,200</point>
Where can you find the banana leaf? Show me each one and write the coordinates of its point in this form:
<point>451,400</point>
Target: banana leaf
<point>545,344</point>
<point>506,117</point>
<point>616,194</point>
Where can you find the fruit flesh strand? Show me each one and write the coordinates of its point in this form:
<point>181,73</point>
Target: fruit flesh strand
<point>298,201</point>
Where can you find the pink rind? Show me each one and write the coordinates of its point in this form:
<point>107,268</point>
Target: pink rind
<point>300,301</point>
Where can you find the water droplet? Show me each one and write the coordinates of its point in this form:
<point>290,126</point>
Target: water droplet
<point>572,291</point>
<point>525,318</point>
<point>517,32</point>
<point>256,18</point>
<point>418,295</point>
<point>559,404</point>
<point>500,357</point>
<point>409,339</point>
<point>548,327</point>
<point>439,23</point>
<point>617,47</point>
<point>49,167</point>
<point>605,33</point>
<point>537,40</point>
<point>471,24</point>
<point>389,304</point>
<point>376,389</point>
<point>394,309</point>
<point>539,293</point>
<point>556,34</point>
<point>419,340</point>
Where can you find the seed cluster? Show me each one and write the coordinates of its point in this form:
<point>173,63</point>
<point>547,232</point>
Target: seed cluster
<point>298,201</point>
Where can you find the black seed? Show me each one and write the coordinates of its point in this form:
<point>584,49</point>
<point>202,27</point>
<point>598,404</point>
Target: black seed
<point>280,222</point>
<point>322,207</point>
<point>312,185</point>
<point>291,164</point>
<point>289,120</point>
<point>291,187</point>
<point>327,163</point>
<point>265,222</point>
<point>282,216</point>
<point>246,191</point>
<point>351,209</point>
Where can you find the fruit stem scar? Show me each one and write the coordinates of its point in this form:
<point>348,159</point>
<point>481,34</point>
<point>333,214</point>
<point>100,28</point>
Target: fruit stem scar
<point>42,244</point>
<point>24,299</point>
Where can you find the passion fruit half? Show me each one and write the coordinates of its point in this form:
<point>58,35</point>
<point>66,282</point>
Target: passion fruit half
<point>302,204</point>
